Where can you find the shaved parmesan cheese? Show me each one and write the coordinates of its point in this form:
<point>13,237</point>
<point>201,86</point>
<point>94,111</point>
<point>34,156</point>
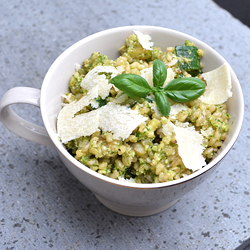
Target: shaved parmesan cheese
<point>93,79</point>
<point>70,128</point>
<point>189,144</point>
<point>176,108</point>
<point>219,85</point>
<point>121,99</point>
<point>147,74</point>
<point>66,97</point>
<point>168,128</point>
<point>94,104</point>
<point>170,77</point>
<point>144,40</point>
<point>190,147</point>
<point>119,120</point>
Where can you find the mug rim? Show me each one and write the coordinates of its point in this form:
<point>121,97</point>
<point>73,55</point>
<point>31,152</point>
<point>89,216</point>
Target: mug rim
<point>60,148</point>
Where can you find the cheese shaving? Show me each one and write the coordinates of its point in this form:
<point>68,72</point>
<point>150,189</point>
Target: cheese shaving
<point>119,120</point>
<point>168,128</point>
<point>170,77</point>
<point>94,104</point>
<point>147,74</point>
<point>190,147</point>
<point>70,128</point>
<point>189,144</point>
<point>176,108</point>
<point>219,85</point>
<point>144,40</point>
<point>93,79</point>
<point>66,98</point>
<point>121,99</point>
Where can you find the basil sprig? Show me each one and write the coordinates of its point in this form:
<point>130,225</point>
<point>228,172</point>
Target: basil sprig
<point>183,89</point>
<point>132,85</point>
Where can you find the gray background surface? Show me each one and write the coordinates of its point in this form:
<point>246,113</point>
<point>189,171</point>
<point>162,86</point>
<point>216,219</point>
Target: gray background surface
<point>42,206</point>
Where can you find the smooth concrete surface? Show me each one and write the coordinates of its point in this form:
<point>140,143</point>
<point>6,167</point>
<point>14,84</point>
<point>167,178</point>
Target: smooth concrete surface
<point>42,206</point>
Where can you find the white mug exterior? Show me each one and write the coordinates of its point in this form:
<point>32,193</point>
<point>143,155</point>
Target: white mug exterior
<point>15,123</point>
<point>127,198</point>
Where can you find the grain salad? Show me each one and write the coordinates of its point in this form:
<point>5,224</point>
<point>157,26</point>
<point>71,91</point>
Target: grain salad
<point>134,128</point>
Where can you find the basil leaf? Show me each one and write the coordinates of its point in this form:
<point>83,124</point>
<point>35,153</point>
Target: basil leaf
<point>185,89</point>
<point>159,73</point>
<point>162,103</point>
<point>131,84</point>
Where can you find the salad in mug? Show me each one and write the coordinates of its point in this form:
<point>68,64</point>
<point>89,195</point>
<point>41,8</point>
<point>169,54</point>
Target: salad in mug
<point>151,115</point>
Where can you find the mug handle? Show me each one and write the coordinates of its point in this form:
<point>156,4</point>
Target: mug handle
<point>15,123</point>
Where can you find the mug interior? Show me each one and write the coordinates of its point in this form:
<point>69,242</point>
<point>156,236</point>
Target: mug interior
<point>108,42</point>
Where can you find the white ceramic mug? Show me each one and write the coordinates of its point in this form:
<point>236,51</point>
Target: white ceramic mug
<point>126,198</point>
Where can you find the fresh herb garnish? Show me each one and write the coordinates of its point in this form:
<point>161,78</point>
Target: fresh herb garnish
<point>183,89</point>
<point>162,103</point>
<point>132,85</point>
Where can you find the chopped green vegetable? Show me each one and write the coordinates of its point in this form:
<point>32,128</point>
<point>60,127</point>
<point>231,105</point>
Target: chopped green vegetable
<point>181,71</point>
<point>101,102</point>
<point>190,60</point>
